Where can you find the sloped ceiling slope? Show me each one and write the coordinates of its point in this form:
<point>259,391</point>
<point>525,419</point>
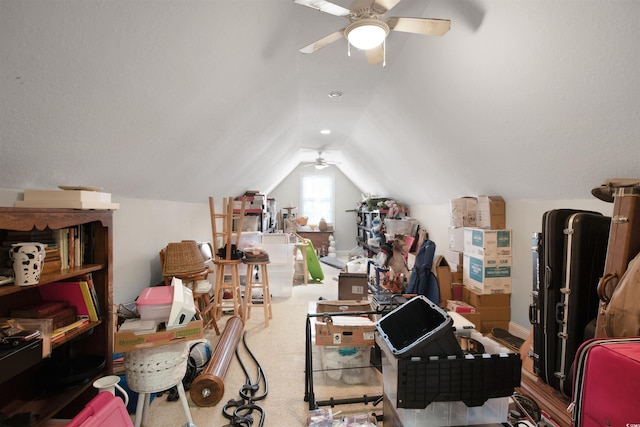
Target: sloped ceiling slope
<point>182,99</point>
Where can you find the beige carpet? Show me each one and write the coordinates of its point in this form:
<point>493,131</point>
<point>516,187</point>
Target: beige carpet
<point>280,348</point>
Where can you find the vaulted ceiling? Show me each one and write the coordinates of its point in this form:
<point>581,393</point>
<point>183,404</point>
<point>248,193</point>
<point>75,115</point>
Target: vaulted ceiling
<point>182,99</point>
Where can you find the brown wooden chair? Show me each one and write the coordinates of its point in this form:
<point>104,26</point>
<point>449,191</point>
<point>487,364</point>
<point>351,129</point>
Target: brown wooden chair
<point>202,300</point>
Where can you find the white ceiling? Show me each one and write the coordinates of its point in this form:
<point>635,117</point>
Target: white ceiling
<point>182,99</point>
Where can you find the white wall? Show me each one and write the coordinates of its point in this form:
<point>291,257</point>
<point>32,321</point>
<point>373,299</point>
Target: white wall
<point>347,197</point>
<point>143,227</point>
<point>523,217</point>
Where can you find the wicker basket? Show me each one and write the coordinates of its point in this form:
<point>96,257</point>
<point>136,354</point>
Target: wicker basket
<point>157,368</point>
<point>183,258</point>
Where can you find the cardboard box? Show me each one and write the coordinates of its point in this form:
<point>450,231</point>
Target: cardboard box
<point>353,286</point>
<point>492,314</point>
<point>484,243</point>
<point>475,318</point>
<point>487,275</point>
<point>443,274</point>
<point>488,326</point>
<point>454,257</point>
<point>463,211</point>
<point>456,267</point>
<point>325,306</point>
<point>338,334</point>
<point>480,301</point>
<point>130,340</point>
<point>491,213</point>
<point>457,276</point>
<point>460,306</point>
<point>456,239</point>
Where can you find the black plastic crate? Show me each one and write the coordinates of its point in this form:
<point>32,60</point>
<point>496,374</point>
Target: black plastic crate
<point>471,379</point>
<point>419,328</point>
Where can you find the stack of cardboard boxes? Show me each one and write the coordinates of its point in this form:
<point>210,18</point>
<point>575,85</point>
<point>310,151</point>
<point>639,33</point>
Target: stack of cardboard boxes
<point>479,256</point>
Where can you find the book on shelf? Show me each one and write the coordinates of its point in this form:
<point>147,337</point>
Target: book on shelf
<point>92,290</point>
<point>60,333</point>
<point>75,292</point>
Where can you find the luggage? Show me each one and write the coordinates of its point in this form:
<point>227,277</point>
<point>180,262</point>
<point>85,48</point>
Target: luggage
<point>547,313</point>
<point>624,240</point>
<point>606,378</point>
<point>622,315</point>
<point>586,238</point>
<point>536,308</point>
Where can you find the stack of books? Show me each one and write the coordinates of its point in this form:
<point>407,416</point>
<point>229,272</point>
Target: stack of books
<point>60,312</point>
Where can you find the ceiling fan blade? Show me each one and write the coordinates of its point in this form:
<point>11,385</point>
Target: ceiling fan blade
<point>375,55</point>
<point>325,6</point>
<point>383,6</point>
<point>427,26</point>
<point>325,41</point>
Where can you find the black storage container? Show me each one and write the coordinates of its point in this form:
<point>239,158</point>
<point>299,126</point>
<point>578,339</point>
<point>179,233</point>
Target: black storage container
<point>471,379</point>
<point>419,328</point>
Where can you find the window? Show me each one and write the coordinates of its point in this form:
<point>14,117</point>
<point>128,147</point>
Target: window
<point>316,195</point>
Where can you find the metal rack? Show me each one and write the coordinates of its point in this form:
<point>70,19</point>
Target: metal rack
<point>309,393</point>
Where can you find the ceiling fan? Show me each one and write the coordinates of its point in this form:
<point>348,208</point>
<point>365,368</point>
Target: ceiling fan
<point>320,162</point>
<point>367,29</point>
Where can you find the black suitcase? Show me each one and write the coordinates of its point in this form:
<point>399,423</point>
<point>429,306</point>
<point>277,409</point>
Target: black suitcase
<point>586,238</point>
<point>551,258</point>
<point>537,307</point>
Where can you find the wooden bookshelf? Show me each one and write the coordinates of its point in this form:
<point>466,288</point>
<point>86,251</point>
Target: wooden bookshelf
<point>33,390</point>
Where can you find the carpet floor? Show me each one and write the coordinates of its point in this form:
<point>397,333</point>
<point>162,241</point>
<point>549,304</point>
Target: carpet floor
<point>280,348</point>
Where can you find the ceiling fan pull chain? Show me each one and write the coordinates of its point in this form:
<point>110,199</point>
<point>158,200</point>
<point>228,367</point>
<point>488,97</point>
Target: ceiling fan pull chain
<point>348,49</point>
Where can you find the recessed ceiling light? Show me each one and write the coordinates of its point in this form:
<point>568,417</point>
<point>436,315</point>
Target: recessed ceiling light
<point>335,94</point>
<point>325,131</point>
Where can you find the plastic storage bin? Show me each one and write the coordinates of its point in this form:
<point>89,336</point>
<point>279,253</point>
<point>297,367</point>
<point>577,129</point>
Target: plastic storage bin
<point>419,328</point>
<point>154,303</point>
<point>472,380</point>
<point>346,365</point>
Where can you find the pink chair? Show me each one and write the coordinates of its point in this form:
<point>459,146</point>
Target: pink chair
<point>104,410</point>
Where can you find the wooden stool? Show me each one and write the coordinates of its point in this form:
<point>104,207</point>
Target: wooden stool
<point>205,308</point>
<point>263,285</point>
<point>302,247</point>
<point>232,286</point>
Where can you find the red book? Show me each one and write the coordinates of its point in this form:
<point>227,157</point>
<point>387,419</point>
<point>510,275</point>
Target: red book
<point>65,291</point>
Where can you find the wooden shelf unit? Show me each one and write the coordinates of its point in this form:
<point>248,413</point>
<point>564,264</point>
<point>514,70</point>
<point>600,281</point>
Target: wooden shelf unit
<point>25,392</point>
<point>364,221</point>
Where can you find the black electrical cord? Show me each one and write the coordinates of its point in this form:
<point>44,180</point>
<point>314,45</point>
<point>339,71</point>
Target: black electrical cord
<point>242,415</point>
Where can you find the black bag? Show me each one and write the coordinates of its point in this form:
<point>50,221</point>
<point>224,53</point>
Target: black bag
<point>422,281</point>
<point>199,356</point>
<point>235,253</point>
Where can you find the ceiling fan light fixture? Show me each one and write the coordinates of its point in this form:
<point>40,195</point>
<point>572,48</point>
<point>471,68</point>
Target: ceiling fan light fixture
<point>366,33</point>
<point>320,166</point>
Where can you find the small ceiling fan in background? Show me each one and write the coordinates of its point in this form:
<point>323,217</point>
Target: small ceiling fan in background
<point>367,29</point>
<point>320,162</point>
